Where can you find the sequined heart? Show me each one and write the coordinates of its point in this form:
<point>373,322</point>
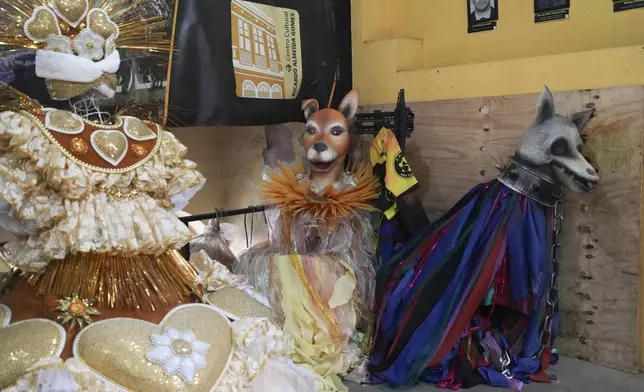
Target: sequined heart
<point>99,22</point>
<point>237,303</point>
<point>110,145</point>
<point>41,25</point>
<point>24,343</point>
<point>64,122</point>
<point>137,130</point>
<point>71,11</point>
<point>130,352</point>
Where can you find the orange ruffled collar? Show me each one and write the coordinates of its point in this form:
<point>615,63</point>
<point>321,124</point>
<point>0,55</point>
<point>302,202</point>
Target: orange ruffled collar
<point>288,193</point>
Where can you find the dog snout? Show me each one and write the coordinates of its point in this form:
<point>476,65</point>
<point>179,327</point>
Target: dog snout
<point>320,147</point>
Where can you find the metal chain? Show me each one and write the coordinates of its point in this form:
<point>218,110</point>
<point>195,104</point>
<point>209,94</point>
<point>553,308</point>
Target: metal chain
<point>552,295</point>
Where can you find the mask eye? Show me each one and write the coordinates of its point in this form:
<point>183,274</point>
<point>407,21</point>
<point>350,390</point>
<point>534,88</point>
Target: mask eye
<point>337,131</point>
<point>559,147</point>
<point>310,130</point>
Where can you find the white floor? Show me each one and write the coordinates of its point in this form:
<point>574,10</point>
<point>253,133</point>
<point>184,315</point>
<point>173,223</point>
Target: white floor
<point>573,376</point>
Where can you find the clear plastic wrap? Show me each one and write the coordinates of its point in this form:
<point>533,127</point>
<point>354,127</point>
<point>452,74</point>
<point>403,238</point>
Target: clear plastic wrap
<point>319,278</point>
<point>349,241</point>
<point>215,241</point>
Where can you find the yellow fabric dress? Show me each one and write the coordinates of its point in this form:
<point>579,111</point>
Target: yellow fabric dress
<point>317,269</point>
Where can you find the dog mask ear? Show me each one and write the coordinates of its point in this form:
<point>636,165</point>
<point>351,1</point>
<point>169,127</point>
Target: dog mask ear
<point>545,107</point>
<point>581,118</point>
<point>349,105</point>
<point>310,106</point>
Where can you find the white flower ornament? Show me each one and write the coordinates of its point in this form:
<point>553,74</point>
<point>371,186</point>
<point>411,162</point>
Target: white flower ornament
<point>110,46</point>
<point>179,353</point>
<point>59,43</point>
<point>89,45</point>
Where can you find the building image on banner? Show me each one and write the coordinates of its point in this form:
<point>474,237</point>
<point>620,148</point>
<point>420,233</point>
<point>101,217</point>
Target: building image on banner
<point>256,56</point>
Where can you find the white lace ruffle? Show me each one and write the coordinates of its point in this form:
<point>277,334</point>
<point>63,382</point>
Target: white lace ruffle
<point>65,207</point>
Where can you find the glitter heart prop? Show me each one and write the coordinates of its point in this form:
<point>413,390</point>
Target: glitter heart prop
<point>71,11</point>
<point>99,22</point>
<point>41,25</point>
<point>121,350</point>
<point>137,130</point>
<point>24,343</point>
<point>110,145</point>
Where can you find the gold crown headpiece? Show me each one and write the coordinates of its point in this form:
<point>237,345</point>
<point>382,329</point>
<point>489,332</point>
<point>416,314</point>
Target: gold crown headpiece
<point>77,39</point>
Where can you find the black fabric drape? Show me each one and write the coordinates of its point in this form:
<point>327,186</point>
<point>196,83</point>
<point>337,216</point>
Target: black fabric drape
<point>203,87</point>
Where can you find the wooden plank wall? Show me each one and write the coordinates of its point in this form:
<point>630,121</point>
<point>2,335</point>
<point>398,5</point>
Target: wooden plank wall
<point>231,159</point>
<point>455,146</point>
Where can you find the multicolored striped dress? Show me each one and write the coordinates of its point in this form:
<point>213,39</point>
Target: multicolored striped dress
<point>464,302</point>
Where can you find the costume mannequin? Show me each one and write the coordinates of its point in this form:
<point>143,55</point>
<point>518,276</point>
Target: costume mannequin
<point>473,299</point>
<point>317,266</point>
<point>92,205</point>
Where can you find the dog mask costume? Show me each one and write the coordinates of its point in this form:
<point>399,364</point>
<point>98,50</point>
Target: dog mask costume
<point>327,139</point>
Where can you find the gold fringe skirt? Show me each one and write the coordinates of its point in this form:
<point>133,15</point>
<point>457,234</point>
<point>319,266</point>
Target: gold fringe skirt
<point>141,282</point>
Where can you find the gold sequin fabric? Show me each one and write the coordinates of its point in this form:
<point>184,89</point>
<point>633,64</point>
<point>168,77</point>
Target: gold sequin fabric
<point>25,343</point>
<point>68,208</point>
<point>239,353</point>
<point>236,302</point>
<point>117,348</point>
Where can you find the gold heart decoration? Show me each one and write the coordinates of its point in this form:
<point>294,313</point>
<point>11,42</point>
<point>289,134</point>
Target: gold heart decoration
<point>236,303</point>
<point>64,122</point>
<point>41,25</point>
<point>110,145</point>
<point>100,23</point>
<point>71,11</point>
<point>137,130</point>
<point>118,349</point>
<point>24,343</point>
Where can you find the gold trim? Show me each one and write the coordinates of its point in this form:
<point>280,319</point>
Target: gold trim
<point>23,217</point>
<point>262,324</point>
<point>166,104</point>
<point>138,282</point>
<point>14,180</point>
<point>71,156</point>
<point>335,332</point>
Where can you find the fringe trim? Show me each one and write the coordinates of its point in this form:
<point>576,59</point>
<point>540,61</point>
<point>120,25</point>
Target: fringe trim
<point>141,282</point>
<point>285,191</point>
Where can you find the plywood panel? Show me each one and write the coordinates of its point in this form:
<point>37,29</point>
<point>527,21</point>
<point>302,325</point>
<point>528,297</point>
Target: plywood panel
<point>455,146</point>
<point>232,160</point>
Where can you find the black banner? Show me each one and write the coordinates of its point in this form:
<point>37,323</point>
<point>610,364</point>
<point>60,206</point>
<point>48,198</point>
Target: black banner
<point>626,5</point>
<point>253,62</point>
<point>550,10</point>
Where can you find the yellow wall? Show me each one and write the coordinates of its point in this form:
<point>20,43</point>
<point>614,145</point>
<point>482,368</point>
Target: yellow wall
<point>423,46</point>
